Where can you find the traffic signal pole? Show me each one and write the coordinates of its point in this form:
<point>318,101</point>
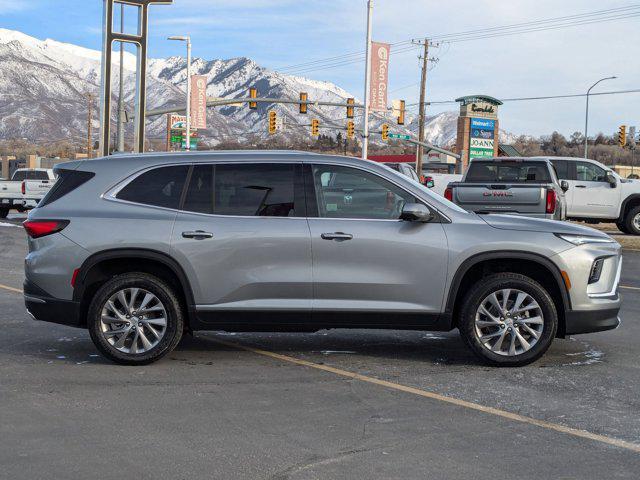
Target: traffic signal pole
<point>367,82</point>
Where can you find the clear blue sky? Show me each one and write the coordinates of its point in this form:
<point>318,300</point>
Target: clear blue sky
<point>278,33</point>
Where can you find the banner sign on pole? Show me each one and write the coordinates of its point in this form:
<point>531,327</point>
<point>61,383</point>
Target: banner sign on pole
<point>379,76</point>
<point>198,101</point>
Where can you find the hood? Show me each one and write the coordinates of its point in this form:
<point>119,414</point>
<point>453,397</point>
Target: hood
<point>529,224</point>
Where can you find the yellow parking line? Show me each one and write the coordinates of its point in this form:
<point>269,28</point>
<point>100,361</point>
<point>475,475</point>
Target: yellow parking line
<point>11,289</point>
<point>442,398</point>
<point>427,394</point>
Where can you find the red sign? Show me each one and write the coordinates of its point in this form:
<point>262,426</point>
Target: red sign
<point>379,76</point>
<point>198,101</point>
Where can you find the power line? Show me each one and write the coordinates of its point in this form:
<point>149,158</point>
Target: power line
<point>587,18</point>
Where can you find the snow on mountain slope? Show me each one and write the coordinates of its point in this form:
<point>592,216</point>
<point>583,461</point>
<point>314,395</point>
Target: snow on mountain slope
<point>44,84</point>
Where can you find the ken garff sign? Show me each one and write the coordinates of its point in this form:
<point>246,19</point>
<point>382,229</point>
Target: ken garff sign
<point>198,101</point>
<point>379,76</point>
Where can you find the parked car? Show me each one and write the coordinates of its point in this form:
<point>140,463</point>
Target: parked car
<point>439,175</point>
<point>25,189</point>
<point>405,169</point>
<point>598,194</point>
<point>523,186</point>
<point>139,249</point>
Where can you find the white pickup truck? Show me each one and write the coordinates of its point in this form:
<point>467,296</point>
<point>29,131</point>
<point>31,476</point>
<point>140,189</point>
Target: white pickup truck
<point>25,189</point>
<point>598,194</point>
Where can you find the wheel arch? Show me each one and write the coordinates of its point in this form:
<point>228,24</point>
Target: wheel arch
<point>101,266</point>
<point>532,265</point>
<point>628,203</point>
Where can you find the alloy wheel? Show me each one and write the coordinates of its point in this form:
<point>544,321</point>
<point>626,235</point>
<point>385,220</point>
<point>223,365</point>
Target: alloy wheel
<point>133,320</point>
<point>509,322</point>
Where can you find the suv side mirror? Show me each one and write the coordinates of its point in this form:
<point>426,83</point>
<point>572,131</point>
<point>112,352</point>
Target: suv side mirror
<point>564,185</point>
<point>610,177</point>
<point>416,212</point>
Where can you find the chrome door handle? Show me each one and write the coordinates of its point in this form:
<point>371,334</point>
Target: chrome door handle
<point>198,235</point>
<point>336,236</point>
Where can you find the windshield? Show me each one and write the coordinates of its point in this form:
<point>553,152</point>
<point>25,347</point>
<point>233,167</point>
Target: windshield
<point>515,172</point>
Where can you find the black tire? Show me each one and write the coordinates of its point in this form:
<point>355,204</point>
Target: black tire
<point>170,302</point>
<point>494,283</point>
<point>633,228</point>
<point>4,212</point>
<point>622,227</point>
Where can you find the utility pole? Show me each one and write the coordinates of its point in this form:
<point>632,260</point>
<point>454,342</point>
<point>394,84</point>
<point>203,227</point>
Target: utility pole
<point>89,115</point>
<point>423,93</point>
<point>367,82</point>
<point>121,112</point>
<point>187,39</point>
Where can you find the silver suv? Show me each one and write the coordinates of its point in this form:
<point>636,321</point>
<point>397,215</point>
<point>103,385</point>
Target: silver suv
<point>141,249</point>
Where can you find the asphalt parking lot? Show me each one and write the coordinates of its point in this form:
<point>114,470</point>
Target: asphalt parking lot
<point>334,404</point>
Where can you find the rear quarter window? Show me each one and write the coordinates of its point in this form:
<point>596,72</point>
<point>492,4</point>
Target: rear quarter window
<point>160,187</point>
<point>68,181</point>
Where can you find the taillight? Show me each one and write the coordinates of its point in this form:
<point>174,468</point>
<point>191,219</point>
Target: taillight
<point>551,200</point>
<point>41,228</point>
<point>448,194</point>
<point>23,188</point>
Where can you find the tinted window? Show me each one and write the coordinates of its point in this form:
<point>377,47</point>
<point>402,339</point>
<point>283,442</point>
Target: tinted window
<point>562,168</point>
<point>343,192</point>
<point>68,181</point>
<point>31,175</point>
<point>263,190</point>
<point>588,172</point>
<point>508,172</point>
<point>161,187</point>
<point>199,196</point>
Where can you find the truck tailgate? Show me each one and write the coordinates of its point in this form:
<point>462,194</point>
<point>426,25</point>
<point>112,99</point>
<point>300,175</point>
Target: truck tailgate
<point>515,198</point>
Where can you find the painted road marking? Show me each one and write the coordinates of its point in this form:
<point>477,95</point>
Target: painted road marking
<point>427,394</point>
<point>11,289</point>
<point>442,398</point>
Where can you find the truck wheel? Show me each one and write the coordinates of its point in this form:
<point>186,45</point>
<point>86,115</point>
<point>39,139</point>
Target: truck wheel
<point>632,221</point>
<point>135,319</point>
<point>508,320</point>
<point>622,227</point>
<point>4,212</point>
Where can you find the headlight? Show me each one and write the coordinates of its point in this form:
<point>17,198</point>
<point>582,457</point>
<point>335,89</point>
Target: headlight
<point>583,239</point>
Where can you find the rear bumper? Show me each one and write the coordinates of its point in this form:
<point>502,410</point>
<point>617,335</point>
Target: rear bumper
<point>46,308</point>
<point>590,321</point>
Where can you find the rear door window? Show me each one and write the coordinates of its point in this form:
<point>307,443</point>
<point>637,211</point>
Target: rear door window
<point>520,172</point>
<point>562,167</point>
<point>160,187</point>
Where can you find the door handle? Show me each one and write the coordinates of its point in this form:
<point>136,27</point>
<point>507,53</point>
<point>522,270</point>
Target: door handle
<point>581,186</point>
<point>198,235</point>
<point>336,236</point>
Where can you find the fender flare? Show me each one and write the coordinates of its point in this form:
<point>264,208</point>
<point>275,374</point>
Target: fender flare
<point>133,253</point>
<point>625,202</point>
<point>506,254</point>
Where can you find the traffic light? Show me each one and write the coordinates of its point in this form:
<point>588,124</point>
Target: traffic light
<point>253,93</point>
<point>622,136</point>
<point>350,101</point>
<point>315,127</point>
<point>303,98</point>
<point>351,130</point>
<point>401,113</point>
<point>385,132</point>
<point>273,120</point>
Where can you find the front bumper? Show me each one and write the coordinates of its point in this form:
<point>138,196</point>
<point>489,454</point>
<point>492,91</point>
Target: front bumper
<point>590,321</point>
<point>46,308</point>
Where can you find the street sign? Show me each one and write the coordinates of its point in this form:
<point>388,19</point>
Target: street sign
<point>398,136</point>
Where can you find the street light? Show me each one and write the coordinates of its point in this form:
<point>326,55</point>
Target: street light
<point>586,117</point>
<point>187,39</point>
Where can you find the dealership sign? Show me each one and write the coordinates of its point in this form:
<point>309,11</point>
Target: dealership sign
<point>482,138</point>
<point>198,101</point>
<point>379,76</point>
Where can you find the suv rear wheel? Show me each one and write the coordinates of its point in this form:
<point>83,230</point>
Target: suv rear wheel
<point>632,221</point>
<point>135,319</point>
<point>508,319</point>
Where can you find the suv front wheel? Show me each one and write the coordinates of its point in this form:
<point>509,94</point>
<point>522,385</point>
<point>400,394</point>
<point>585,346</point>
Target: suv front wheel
<point>135,319</point>
<point>508,319</point>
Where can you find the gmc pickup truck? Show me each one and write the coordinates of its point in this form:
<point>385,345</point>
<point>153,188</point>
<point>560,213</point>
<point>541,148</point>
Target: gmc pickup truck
<point>598,194</point>
<point>521,186</point>
<point>25,189</point>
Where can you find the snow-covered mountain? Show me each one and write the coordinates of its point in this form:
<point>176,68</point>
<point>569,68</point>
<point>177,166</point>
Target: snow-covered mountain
<point>44,86</point>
